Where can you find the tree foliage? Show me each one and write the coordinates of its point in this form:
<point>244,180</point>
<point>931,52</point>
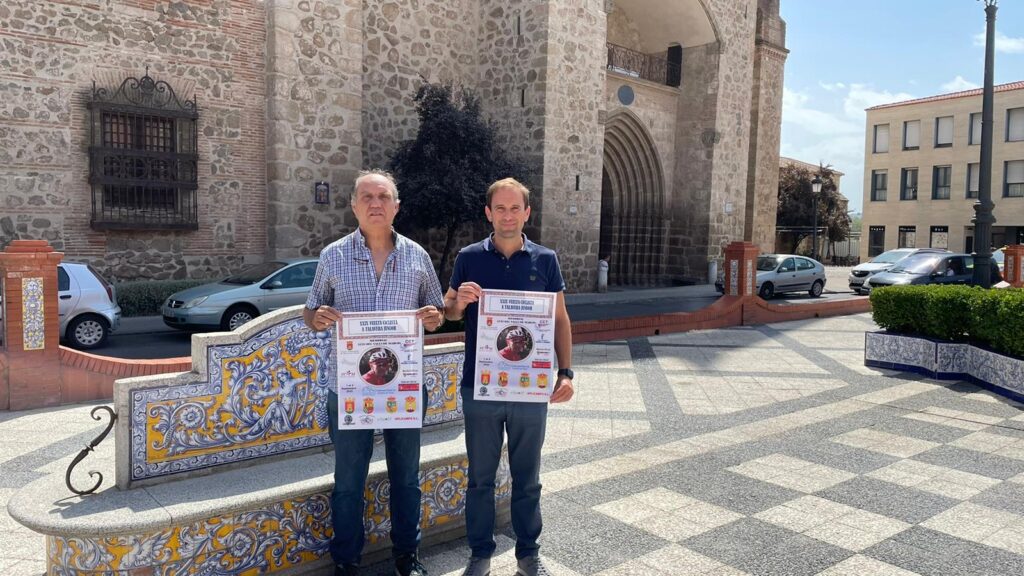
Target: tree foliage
<point>796,204</point>
<point>444,172</point>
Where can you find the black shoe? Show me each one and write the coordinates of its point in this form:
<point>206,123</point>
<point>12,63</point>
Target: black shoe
<point>409,565</point>
<point>346,570</point>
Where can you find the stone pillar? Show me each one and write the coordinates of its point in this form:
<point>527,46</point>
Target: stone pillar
<point>1014,269</point>
<point>31,325</point>
<point>740,269</point>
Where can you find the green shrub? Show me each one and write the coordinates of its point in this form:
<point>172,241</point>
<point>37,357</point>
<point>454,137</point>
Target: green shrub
<point>994,318</point>
<point>144,297</point>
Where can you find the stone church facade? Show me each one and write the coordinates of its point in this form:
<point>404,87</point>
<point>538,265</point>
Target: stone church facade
<point>650,128</point>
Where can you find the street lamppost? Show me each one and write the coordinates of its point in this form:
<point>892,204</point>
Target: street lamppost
<point>983,218</point>
<point>816,189</point>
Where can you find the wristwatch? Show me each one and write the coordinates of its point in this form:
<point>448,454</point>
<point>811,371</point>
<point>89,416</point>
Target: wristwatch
<point>567,372</point>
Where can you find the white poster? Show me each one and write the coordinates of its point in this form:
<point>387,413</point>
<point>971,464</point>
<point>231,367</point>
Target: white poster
<point>515,346</point>
<point>379,370</point>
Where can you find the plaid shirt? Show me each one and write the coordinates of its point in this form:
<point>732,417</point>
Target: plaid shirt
<point>347,281</point>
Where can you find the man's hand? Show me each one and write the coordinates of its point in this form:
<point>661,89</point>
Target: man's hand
<point>431,316</point>
<point>469,293</point>
<point>325,317</point>
<point>563,390</point>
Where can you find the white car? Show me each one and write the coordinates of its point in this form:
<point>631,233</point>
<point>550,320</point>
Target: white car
<point>882,263</point>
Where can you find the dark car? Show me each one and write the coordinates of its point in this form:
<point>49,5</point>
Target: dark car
<point>930,268</point>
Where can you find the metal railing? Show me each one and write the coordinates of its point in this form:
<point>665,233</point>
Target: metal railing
<point>645,66</point>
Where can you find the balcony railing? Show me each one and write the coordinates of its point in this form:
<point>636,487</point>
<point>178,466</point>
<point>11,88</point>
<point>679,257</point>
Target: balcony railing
<point>639,65</point>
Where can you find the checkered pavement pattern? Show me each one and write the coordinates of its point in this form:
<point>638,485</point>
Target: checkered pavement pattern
<point>768,450</point>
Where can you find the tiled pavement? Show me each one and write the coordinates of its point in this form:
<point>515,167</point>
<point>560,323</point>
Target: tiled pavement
<point>760,450</point>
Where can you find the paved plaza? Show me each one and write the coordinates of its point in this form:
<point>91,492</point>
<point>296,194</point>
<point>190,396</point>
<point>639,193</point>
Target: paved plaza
<point>753,450</point>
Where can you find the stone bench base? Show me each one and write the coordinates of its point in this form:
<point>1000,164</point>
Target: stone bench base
<point>270,518</point>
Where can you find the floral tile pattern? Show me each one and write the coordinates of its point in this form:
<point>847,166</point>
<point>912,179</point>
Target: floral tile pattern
<point>33,318</point>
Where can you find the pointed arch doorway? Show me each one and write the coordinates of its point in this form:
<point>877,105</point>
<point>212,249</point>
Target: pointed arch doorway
<point>634,222</point>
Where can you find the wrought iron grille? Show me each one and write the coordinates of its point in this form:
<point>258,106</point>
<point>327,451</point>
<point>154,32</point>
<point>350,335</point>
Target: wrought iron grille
<point>143,157</point>
<point>639,65</point>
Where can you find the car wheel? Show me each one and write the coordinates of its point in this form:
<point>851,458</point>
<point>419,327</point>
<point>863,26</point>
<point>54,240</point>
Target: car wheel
<point>767,291</point>
<point>236,316</point>
<point>817,288</point>
<point>87,332</point>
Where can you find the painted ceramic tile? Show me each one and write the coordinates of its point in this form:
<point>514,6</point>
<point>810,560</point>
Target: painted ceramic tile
<point>33,319</point>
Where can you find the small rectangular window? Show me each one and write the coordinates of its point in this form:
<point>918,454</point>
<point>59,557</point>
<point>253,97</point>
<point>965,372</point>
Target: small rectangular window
<point>1015,125</point>
<point>907,237</point>
<point>974,137</point>
<point>908,184</point>
<point>944,132</point>
<point>876,240</point>
<point>973,179</point>
<point>939,237</point>
<point>912,135</point>
<point>1013,186</point>
<point>881,141</point>
<point>941,178</point>
<point>879,185</point>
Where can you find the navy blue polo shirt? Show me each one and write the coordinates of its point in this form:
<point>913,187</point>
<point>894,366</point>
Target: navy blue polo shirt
<point>534,268</point>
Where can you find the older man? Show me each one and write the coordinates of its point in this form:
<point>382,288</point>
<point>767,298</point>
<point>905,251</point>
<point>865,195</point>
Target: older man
<point>374,269</point>
<point>506,260</point>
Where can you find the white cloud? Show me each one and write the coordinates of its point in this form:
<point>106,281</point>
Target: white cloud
<point>1004,43</point>
<point>861,97</point>
<point>832,87</point>
<point>959,84</point>
<point>795,111</point>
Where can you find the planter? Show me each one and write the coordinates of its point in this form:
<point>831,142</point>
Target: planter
<point>945,360</point>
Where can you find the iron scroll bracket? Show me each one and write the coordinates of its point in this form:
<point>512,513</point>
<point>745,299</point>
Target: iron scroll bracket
<point>85,451</point>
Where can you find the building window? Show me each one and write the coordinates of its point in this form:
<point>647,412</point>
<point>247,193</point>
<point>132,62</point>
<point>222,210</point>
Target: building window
<point>879,185</point>
<point>876,240</point>
<point>881,141</point>
<point>939,237</point>
<point>907,237</point>
<point>973,179</point>
<point>1015,125</point>
<point>941,177</point>
<point>974,134</point>
<point>143,160</point>
<point>1013,185</point>
<point>944,132</point>
<point>908,184</point>
<point>912,135</point>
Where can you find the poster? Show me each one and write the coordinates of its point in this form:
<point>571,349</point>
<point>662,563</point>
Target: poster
<point>379,370</point>
<point>515,346</point>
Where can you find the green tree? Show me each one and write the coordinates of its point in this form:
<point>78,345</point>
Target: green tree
<point>796,205</point>
<point>444,172</point>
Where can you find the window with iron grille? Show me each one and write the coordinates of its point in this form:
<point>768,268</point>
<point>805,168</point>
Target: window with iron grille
<point>143,157</point>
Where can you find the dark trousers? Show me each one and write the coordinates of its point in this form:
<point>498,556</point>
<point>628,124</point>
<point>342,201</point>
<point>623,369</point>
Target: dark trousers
<point>486,425</point>
<point>352,452</point>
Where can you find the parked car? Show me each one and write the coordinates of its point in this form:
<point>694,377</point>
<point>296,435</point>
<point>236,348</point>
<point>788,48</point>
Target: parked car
<point>881,263</point>
<point>926,268</point>
<point>237,299</point>
<point>781,273</point>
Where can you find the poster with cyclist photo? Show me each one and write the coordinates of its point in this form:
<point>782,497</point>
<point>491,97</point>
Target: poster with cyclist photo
<point>515,346</point>
<point>379,370</point>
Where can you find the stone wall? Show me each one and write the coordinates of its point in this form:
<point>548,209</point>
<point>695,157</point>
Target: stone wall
<point>574,138</point>
<point>405,43</point>
<point>50,54</point>
<point>763,176</point>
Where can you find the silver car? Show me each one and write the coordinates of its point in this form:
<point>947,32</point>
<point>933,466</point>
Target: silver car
<point>881,263</point>
<point>235,300</point>
<point>781,273</point>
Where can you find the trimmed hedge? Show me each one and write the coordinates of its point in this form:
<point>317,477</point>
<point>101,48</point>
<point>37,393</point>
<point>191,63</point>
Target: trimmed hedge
<point>145,297</point>
<point>994,318</point>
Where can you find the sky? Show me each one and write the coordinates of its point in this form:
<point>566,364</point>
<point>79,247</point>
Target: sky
<point>848,55</point>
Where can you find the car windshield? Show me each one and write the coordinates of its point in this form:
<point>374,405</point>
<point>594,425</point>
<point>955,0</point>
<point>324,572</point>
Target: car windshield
<point>917,264</point>
<point>767,263</point>
<point>254,274</point>
<point>890,257</point>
